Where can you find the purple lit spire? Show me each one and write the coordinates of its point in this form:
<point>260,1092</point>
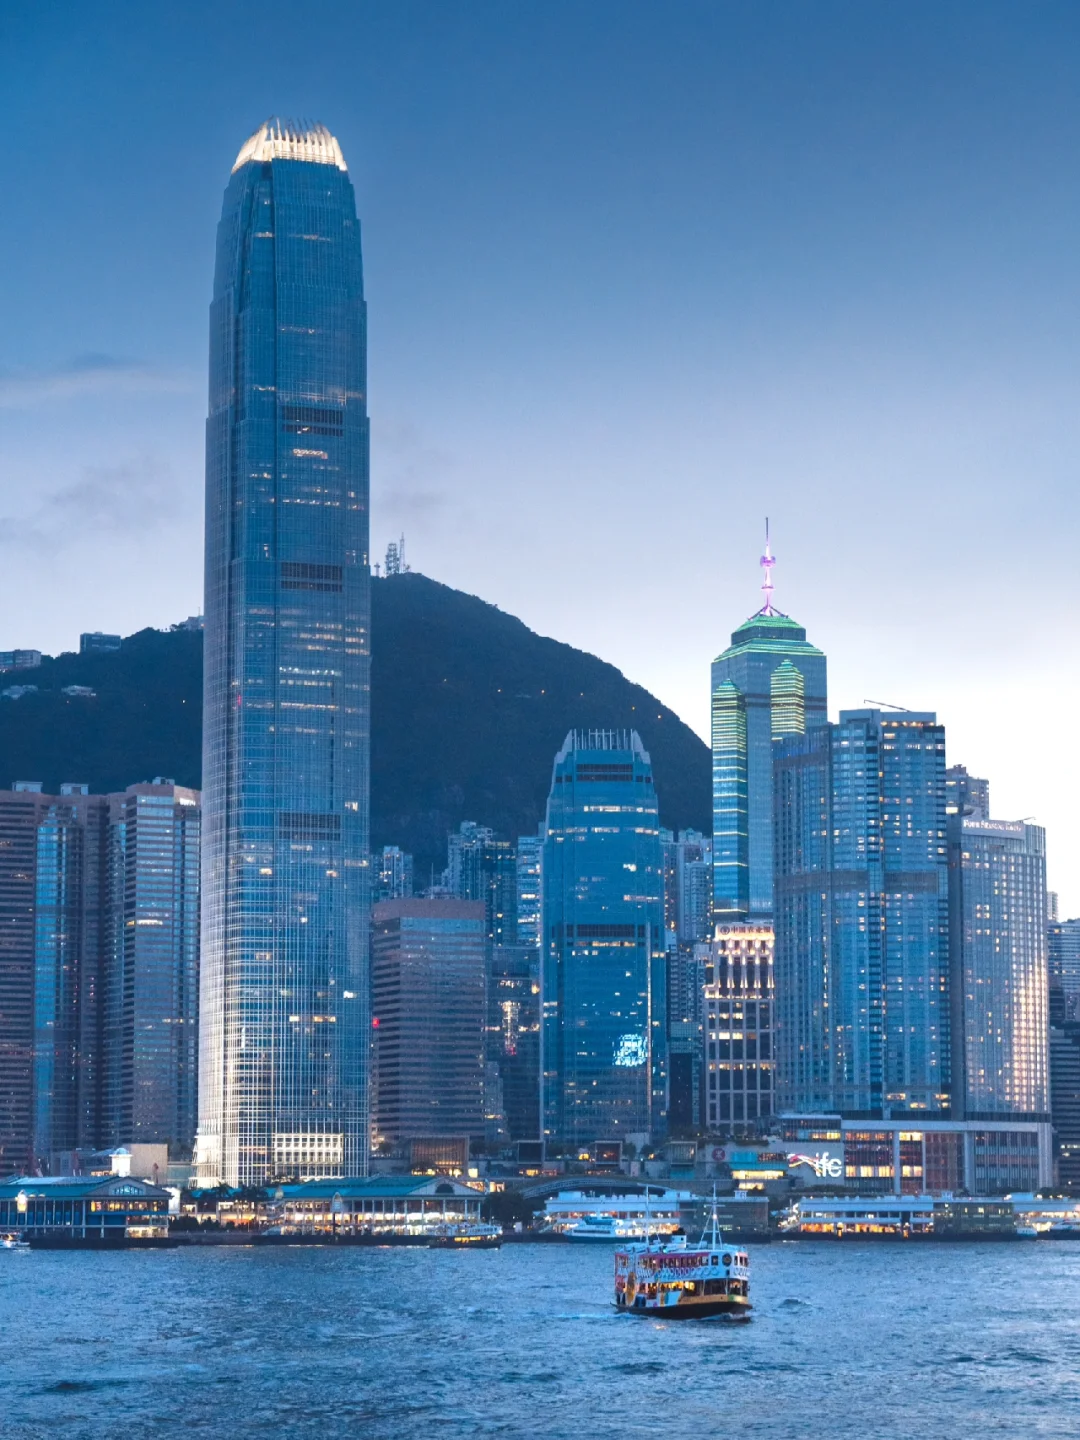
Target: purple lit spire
<point>767,563</point>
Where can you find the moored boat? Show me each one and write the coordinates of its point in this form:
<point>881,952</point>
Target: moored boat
<point>675,1280</point>
<point>606,1229</point>
<point>465,1237</point>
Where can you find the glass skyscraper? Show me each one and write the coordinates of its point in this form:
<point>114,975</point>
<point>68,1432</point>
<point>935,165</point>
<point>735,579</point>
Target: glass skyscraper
<point>149,1009</point>
<point>99,959</point>
<point>603,960</point>
<point>283,998</point>
<point>769,683</point>
<point>863,1022</point>
<point>999,933</point>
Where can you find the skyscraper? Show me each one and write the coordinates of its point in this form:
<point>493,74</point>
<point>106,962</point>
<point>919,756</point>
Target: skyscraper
<point>1063,946</point>
<point>482,867</point>
<point>1000,1021</point>
<point>737,1059</point>
<point>862,918</point>
<point>99,954</point>
<point>149,1003</point>
<point>513,1047</point>
<point>530,865</point>
<point>283,1002</point>
<point>768,684</point>
<point>966,794</point>
<point>429,999</point>
<point>53,898</point>
<point>393,874</point>
<point>603,966</point>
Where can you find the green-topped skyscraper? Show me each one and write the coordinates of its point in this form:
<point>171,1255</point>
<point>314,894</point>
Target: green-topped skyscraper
<point>768,683</point>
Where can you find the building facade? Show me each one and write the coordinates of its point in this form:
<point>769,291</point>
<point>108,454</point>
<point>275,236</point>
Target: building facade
<point>604,967</point>
<point>1063,960</point>
<point>530,868</point>
<point>53,929</point>
<point>769,683</point>
<point>150,1000</point>
<point>513,1047</point>
<point>999,974</point>
<point>1065,1102</point>
<point>482,867</point>
<point>429,1019</point>
<point>99,957</point>
<point>862,918</point>
<point>965,794</point>
<point>918,1156</point>
<point>286,742</point>
<point>738,997</point>
<point>393,879</point>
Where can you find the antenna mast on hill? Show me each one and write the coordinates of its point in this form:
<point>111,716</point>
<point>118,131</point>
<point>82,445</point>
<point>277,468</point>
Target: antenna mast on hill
<point>395,558</point>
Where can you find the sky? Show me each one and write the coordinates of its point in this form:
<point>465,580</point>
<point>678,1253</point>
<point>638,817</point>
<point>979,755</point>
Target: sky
<point>638,275</point>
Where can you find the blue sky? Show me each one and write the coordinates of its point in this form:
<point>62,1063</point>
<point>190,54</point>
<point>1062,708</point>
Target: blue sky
<point>638,275</point>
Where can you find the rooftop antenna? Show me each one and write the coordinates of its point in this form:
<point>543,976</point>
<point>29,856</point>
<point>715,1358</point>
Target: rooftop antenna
<point>768,560</point>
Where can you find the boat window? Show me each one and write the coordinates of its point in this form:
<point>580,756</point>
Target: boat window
<point>716,1260</point>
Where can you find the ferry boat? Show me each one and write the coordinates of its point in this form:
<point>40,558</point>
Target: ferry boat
<point>607,1230</point>
<point>679,1281</point>
<point>476,1236</point>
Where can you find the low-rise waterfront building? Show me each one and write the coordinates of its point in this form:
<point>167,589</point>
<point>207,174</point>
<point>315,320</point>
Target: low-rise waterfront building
<point>381,1204</point>
<point>899,1217</point>
<point>83,1208</point>
<point>919,1157</point>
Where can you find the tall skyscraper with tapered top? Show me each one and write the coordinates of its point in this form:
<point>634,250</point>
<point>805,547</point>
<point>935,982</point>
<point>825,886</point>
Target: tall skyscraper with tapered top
<point>767,685</point>
<point>283,994</point>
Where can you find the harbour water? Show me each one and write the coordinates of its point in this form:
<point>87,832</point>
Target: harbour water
<point>848,1340</point>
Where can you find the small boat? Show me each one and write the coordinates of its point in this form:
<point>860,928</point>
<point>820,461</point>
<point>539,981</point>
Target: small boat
<point>477,1236</point>
<point>672,1279</point>
<point>14,1242</point>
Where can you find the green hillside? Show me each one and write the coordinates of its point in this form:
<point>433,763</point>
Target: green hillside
<point>468,709</point>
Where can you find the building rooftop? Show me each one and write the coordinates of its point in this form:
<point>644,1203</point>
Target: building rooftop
<point>292,140</point>
<point>768,629</point>
<point>76,1187</point>
<point>388,1186</point>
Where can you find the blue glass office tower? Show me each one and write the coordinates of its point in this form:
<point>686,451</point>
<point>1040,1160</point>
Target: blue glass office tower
<point>284,980</point>
<point>604,1058</point>
<point>863,1020</point>
<point>768,684</point>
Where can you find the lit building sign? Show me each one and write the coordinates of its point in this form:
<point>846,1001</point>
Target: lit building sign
<point>824,1165</point>
<point>630,1051</point>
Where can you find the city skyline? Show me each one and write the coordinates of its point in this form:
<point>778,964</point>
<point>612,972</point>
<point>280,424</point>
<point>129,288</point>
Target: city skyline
<point>862,327</point>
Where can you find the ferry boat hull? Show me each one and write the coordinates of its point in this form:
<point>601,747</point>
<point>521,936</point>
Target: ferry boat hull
<point>690,1307</point>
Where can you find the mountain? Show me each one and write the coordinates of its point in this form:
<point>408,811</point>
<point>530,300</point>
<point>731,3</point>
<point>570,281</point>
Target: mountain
<point>469,707</point>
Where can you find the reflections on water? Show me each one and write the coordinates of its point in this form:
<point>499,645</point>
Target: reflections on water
<point>857,1340</point>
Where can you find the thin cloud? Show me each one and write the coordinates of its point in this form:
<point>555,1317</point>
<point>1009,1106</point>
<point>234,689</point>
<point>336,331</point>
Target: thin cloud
<point>85,375</point>
<point>118,499</point>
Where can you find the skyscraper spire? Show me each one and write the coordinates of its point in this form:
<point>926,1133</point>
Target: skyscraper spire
<point>767,562</point>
